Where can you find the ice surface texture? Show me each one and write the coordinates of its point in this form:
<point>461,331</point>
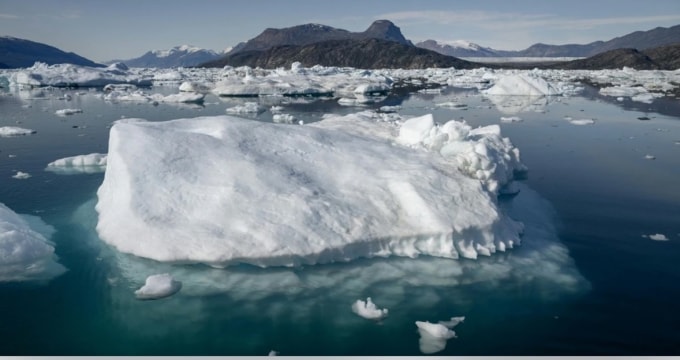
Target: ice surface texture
<point>223,190</point>
<point>25,254</point>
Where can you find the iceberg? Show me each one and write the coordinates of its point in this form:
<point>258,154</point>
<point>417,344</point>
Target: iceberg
<point>433,337</point>
<point>20,175</point>
<point>158,286</point>
<point>66,75</point>
<point>79,164</point>
<point>66,112</point>
<point>368,310</point>
<point>525,84</point>
<point>7,131</point>
<point>224,190</point>
<point>25,252</point>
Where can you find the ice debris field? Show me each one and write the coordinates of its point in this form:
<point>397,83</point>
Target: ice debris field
<point>224,190</point>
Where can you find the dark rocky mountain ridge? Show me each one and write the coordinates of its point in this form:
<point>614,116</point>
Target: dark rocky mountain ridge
<point>312,33</point>
<point>21,53</point>
<point>363,54</point>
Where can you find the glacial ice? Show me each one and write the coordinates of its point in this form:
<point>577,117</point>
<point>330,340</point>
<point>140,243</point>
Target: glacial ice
<point>41,74</point>
<point>7,131</point>
<point>25,252</point>
<point>368,310</point>
<point>79,164</point>
<point>433,337</point>
<point>158,286</point>
<point>525,84</point>
<point>223,190</point>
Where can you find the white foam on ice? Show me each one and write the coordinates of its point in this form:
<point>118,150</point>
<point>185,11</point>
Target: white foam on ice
<point>223,190</point>
<point>368,310</point>
<point>25,252</point>
<point>7,131</point>
<point>158,286</point>
<point>79,164</point>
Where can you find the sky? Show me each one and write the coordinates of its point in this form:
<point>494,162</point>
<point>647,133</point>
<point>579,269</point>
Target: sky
<point>103,30</point>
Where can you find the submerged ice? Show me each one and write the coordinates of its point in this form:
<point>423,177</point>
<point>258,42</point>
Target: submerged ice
<point>25,252</point>
<point>223,190</point>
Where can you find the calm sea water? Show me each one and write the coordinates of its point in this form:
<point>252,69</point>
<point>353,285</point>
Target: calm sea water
<point>584,282</point>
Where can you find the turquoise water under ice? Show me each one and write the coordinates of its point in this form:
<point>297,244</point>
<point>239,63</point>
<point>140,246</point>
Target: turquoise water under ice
<point>584,282</point>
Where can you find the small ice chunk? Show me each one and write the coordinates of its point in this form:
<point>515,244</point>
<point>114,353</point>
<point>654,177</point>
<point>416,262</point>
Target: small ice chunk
<point>368,310</point>
<point>21,175</point>
<point>283,118</point>
<point>389,109</point>
<point>413,131</point>
<point>273,353</point>
<point>7,131</point>
<point>657,237</point>
<point>452,105</point>
<point>433,337</point>
<point>247,108</point>
<point>453,322</point>
<point>158,286</point>
<point>650,157</point>
<point>582,122</point>
<point>79,164</point>
<point>65,112</point>
<point>510,119</point>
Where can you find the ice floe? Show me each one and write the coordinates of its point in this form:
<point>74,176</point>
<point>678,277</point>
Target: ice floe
<point>66,112</point>
<point>25,252</point>
<point>20,175</point>
<point>158,286</point>
<point>79,164</point>
<point>7,131</point>
<point>657,237</point>
<point>581,121</point>
<point>433,336</point>
<point>368,310</point>
<point>222,190</point>
<point>61,75</point>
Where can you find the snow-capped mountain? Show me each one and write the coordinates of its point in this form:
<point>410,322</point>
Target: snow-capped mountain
<point>178,56</point>
<point>458,48</point>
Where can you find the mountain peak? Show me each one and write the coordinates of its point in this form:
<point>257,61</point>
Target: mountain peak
<point>385,29</point>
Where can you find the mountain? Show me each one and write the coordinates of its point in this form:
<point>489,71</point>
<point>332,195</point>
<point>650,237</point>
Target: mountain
<point>312,33</point>
<point>640,40</point>
<point>178,56</point>
<point>658,58</point>
<point>459,48</point>
<point>21,53</point>
<point>370,53</point>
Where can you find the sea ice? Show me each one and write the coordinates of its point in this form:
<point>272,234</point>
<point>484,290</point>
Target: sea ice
<point>20,175</point>
<point>65,112</point>
<point>582,121</point>
<point>433,337</point>
<point>158,286</point>
<point>7,131</point>
<point>223,190</point>
<point>368,310</point>
<point>25,252</point>
<point>522,84</point>
<point>41,74</point>
<point>79,164</point>
<point>657,237</point>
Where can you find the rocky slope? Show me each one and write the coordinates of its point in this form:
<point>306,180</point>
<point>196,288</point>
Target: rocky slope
<point>21,53</point>
<point>178,56</point>
<point>363,54</point>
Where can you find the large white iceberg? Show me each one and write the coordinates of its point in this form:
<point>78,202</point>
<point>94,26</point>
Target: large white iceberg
<point>523,84</point>
<point>25,253</point>
<point>41,74</point>
<point>223,190</point>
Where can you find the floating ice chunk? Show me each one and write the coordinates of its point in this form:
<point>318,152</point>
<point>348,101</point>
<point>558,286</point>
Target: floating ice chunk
<point>650,157</point>
<point>522,84</point>
<point>79,164</point>
<point>390,109</point>
<point>452,105</point>
<point>20,175</point>
<point>374,88</point>
<point>247,108</point>
<point>433,337</point>
<point>657,237</point>
<point>582,121</point>
<point>273,353</point>
<point>193,86</point>
<point>283,118</point>
<point>368,310</point>
<point>158,286</point>
<point>276,109</point>
<point>415,130</point>
<point>359,100</point>
<point>192,190</point>
<point>185,97</point>
<point>510,119</point>
<point>65,112</point>
<point>41,74</point>
<point>7,131</point>
<point>25,252</point>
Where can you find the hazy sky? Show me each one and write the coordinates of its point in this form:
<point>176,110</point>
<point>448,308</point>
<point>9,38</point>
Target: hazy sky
<point>123,29</point>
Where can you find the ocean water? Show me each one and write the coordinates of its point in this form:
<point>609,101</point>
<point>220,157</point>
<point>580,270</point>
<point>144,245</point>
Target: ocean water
<point>585,281</point>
